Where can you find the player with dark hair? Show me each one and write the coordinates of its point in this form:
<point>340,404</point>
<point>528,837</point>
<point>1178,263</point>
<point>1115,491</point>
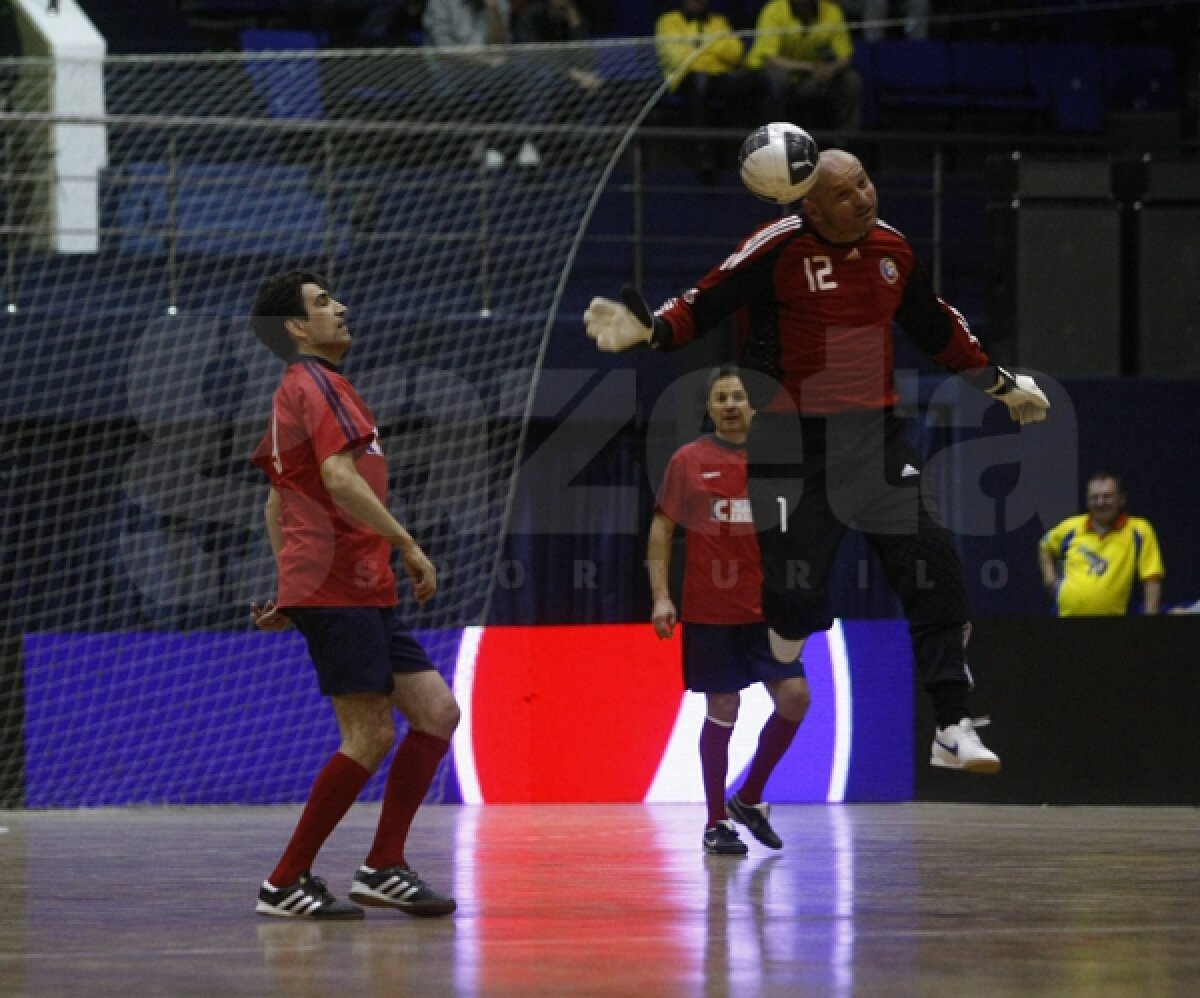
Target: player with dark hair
<point>332,535</point>
<point>725,643</point>
<point>815,295</point>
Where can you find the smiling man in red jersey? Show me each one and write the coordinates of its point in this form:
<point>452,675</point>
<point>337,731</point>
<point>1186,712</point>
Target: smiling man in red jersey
<point>725,642</point>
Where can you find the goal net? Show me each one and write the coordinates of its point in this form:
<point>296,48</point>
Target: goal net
<point>441,194</point>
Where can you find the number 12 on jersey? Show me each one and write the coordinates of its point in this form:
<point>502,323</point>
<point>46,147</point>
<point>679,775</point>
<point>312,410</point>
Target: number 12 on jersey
<point>818,271</point>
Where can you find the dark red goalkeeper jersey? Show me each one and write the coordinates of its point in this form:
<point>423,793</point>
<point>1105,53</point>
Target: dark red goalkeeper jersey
<point>327,559</point>
<point>704,490</point>
<point>818,317</point>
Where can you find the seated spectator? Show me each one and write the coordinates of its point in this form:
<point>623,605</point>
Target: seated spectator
<point>466,22</point>
<point>874,17</point>
<point>714,86</point>
<point>550,21</point>
<point>804,49</point>
<point>490,81</point>
<point>558,21</point>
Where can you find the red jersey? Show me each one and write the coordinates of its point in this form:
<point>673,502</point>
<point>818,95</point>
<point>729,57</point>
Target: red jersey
<point>327,559</point>
<point>704,490</point>
<point>818,317</point>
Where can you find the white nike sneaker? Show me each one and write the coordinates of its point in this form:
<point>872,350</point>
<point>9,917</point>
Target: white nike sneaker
<point>959,747</point>
<point>785,650</point>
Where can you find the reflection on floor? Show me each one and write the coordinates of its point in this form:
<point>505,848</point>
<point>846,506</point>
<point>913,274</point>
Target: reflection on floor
<point>906,899</point>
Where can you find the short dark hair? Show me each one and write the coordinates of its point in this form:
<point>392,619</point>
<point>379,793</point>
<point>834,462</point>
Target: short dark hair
<point>719,374</point>
<point>280,298</point>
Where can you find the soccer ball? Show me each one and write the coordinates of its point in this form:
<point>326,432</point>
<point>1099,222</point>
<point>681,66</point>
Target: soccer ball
<point>778,162</point>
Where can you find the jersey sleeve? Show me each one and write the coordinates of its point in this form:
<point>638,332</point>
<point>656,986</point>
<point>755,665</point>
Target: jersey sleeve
<point>740,279</point>
<point>936,327</point>
<point>725,47</point>
<point>767,42</point>
<point>672,496</point>
<point>261,458</point>
<point>1053,540</point>
<point>673,49</point>
<point>840,43</point>
<point>1150,563</point>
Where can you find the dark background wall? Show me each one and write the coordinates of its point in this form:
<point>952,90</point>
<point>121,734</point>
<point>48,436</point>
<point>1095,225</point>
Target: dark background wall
<point>1002,489</point>
<point>1084,711</point>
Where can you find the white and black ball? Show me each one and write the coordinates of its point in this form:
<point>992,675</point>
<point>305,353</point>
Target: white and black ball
<point>778,162</point>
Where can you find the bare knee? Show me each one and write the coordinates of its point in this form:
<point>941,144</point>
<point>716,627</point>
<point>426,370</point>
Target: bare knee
<point>367,727</point>
<point>792,699</point>
<point>441,719</point>
<point>428,704</point>
<point>370,742</point>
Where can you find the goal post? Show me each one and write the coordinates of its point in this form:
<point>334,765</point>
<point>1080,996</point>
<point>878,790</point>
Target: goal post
<point>442,194</point>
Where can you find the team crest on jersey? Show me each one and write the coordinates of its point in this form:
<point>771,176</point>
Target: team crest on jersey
<point>731,511</point>
<point>1097,564</point>
<point>374,447</point>
<point>889,270</point>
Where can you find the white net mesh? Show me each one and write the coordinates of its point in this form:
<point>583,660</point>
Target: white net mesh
<point>440,194</point>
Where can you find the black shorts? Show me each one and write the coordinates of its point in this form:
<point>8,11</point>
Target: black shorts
<point>811,478</point>
<point>356,649</point>
<point>726,658</point>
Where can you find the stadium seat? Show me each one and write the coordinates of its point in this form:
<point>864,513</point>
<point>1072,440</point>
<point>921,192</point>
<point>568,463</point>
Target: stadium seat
<point>626,64</point>
<point>913,75</point>
<point>864,64</point>
<point>995,76</point>
<point>221,209</point>
<point>1072,76</point>
<point>292,87</point>
<point>1140,78</point>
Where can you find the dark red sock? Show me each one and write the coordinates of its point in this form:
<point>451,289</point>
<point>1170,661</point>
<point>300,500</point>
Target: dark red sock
<point>408,781</point>
<point>334,790</point>
<point>773,741</point>
<point>714,767</point>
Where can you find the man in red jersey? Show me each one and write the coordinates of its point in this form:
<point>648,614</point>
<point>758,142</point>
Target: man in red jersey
<point>332,535</point>
<point>725,643</point>
<point>815,295</point>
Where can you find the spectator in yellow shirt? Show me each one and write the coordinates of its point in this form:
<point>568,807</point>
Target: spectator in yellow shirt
<point>701,58</point>
<point>804,49</point>
<point>1099,554</point>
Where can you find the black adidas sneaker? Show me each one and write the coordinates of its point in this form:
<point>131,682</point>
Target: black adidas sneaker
<point>308,897</point>
<point>398,887</point>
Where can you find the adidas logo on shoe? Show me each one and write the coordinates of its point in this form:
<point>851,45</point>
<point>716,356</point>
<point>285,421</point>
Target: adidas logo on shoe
<point>308,897</point>
<point>398,887</point>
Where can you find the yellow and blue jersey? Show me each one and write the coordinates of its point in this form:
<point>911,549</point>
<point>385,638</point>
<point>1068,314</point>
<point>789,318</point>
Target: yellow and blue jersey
<point>780,33</point>
<point>1098,569</point>
<point>677,37</point>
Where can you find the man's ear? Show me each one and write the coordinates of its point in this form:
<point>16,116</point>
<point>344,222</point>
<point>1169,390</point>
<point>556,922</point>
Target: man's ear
<point>295,328</point>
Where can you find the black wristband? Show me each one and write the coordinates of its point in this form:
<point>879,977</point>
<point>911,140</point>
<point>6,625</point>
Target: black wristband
<point>1003,384</point>
<point>633,300</point>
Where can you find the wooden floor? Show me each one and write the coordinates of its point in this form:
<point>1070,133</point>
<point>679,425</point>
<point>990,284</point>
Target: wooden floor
<point>909,899</point>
